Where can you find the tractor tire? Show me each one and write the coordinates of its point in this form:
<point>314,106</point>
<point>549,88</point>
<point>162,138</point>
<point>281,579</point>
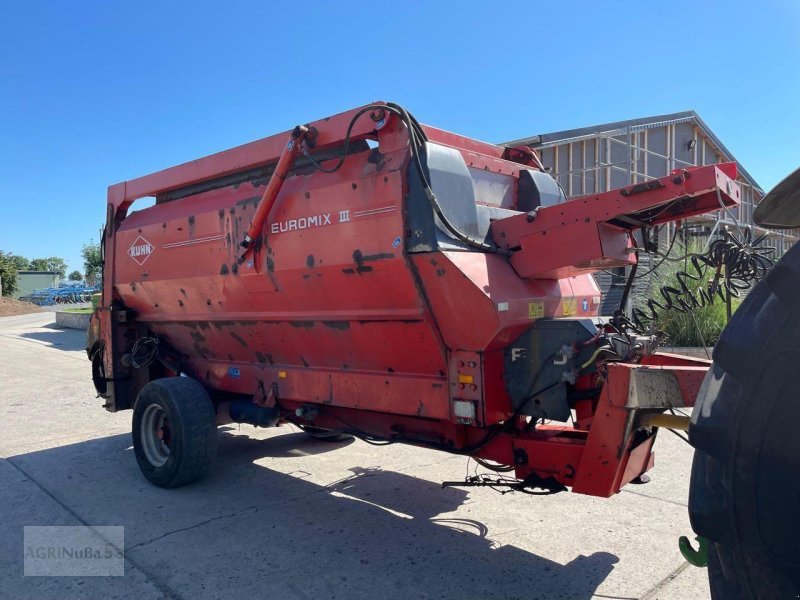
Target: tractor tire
<point>745,486</point>
<point>174,431</point>
<point>99,373</point>
<point>327,435</point>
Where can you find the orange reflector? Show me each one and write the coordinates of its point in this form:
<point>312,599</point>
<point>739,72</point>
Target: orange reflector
<point>465,378</point>
<point>282,374</point>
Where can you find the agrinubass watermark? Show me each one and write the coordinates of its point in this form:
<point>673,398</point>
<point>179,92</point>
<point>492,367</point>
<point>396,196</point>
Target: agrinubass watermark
<point>74,551</point>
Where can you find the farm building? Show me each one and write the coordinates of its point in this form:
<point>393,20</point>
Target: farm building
<point>602,157</point>
<point>28,281</point>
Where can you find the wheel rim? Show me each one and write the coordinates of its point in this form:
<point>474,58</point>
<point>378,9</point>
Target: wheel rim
<point>156,435</point>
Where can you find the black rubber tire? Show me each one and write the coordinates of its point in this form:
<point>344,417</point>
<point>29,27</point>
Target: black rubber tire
<point>193,429</point>
<point>326,435</point>
<point>745,486</point>
<point>99,373</point>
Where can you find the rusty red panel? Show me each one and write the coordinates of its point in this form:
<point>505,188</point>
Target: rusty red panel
<point>565,239</point>
<point>551,453</point>
<point>308,344</point>
<point>611,458</point>
<point>640,460</point>
<point>668,358</point>
<point>325,269</point>
<point>600,461</point>
<point>497,404</point>
<point>387,393</point>
<point>606,244</point>
<point>331,131</point>
<point>605,455</point>
<point>484,291</point>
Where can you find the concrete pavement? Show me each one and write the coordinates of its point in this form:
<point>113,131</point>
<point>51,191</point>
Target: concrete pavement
<point>284,516</point>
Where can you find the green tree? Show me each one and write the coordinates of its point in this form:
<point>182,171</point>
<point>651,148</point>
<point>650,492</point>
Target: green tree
<point>8,274</point>
<point>20,262</point>
<point>75,276</point>
<point>92,262</point>
<point>39,264</point>
<point>54,263</point>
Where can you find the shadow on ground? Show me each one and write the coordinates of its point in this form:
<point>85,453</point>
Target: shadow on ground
<point>63,339</point>
<point>247,530</point>
<point>290,444</point>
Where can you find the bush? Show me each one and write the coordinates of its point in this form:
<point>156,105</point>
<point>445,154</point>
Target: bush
<point>701,326</point>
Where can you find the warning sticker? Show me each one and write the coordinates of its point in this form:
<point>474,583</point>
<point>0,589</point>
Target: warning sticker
<point>570,307</point>
<point>535,310</point>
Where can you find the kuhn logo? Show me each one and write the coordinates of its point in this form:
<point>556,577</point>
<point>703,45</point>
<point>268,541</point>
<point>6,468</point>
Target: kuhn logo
<point>141,250</point>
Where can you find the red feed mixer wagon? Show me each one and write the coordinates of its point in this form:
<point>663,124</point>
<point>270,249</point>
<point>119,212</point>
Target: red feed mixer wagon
<point>367,275</point>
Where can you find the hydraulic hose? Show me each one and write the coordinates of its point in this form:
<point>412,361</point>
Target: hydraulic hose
<point>737,265</point>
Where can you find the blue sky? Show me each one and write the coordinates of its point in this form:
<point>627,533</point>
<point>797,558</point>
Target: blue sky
<point>92,93</point>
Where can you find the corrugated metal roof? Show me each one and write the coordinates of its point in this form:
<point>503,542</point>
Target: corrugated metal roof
<point>643,122</point>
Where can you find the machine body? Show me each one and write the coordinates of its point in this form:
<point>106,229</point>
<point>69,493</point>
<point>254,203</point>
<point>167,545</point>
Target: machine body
<point>369,275</point>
